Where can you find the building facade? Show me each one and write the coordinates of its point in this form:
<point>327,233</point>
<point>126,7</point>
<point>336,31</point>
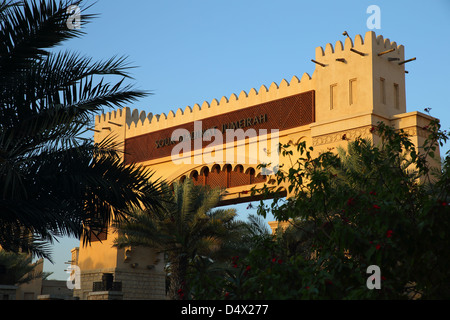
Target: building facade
<point>356,84</point>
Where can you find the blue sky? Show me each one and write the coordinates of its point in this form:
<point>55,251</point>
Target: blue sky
<point>188,52</point>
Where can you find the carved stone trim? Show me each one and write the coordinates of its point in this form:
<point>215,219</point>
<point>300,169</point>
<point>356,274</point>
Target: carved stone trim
<point>341,136</point>
<point>363,132</point>
<point>416,131</point>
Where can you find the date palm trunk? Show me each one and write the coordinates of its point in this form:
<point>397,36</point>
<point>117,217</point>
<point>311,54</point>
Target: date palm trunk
<point>178,271</point>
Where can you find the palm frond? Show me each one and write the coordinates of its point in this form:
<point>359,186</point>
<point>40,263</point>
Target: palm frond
<point>6,6</point>
<point>257,226</point>
<point>53,182</point>
<point>29,30</point>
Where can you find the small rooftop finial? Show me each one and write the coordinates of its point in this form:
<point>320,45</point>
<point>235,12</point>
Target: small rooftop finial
<point>345,33</point>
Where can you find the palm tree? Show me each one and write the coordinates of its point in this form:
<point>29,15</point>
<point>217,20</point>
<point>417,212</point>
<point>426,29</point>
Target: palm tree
<point>184,228</point>
<point>53,181</point>
<point>208,272</point>
<point>18,268</point>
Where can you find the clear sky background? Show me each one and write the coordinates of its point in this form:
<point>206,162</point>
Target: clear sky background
<point>191,51</point>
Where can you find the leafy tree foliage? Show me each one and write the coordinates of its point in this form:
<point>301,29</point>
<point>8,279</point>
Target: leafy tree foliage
<point>384,205</point>
<point>18,268</point>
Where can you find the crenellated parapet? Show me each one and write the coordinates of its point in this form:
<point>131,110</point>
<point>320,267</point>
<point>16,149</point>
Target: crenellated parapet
<point>116,115</point>
<point>139,122</point>
<point>363,60</point>
<point>370,45</point>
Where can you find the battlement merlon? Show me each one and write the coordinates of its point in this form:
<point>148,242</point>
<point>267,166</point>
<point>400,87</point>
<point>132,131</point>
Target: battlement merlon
<point>371,45</point>
<point>365,61</point>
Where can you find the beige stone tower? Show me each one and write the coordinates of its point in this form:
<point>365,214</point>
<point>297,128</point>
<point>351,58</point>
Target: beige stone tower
<point>358,77</point>
<point>358,84</point>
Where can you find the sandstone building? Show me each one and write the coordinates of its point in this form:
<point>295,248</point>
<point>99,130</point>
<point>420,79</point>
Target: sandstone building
<point>356,83</point>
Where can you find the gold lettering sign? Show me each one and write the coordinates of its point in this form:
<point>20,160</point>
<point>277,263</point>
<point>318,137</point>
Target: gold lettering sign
<point>289,112</point>
<point>240,124</point>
